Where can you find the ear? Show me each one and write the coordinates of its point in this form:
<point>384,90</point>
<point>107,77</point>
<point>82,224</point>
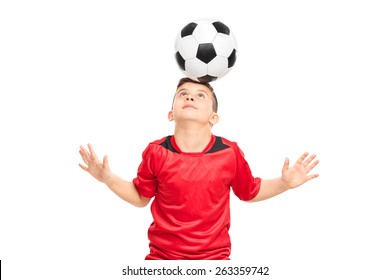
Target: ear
<point>170,116</point>
<point>214,119</point>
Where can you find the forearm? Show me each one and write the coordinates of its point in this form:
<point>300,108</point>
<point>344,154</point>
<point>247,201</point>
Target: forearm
<point>126,190</point>
<point>270,188</point>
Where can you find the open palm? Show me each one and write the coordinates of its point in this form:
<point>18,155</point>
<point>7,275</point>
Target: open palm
<point>99,170</point>
<point>298,174</point>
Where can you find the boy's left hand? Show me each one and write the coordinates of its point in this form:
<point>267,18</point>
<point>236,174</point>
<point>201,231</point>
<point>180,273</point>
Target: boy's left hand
<point>297,174</point>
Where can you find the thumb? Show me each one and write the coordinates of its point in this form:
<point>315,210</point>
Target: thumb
<point>286,164</point>
<point>105,162</point>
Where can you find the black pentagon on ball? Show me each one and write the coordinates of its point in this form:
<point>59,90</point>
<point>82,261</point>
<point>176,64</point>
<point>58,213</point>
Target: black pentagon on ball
<point>232,58</point>
<point>206,52</point>
<point>207,79</point>
<point>180,61</point>
<point>188,29</point>
<point>221,28</point>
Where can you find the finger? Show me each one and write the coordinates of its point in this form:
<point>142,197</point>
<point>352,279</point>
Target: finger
<point>85,154</point>
<point>92,151</point>
<point>302,158</point>
<point>308,161</point>
<point>312,177</point>
<point>83,167</point>
<point>105,162</point>
<point>311,166</point>
<point>286,164</point>
<point>84,150</point>
<point>85,157</point>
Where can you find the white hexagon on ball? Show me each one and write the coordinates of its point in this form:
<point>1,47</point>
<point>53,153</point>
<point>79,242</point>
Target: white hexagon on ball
<point>205,33</point>
<point>223,45</point>
<point>217,66</point>
<point>198,68</point>
<point>187,46</point>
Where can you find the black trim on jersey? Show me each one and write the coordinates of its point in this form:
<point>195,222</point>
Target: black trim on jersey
<point>217,146</point>
<point>168,145</point>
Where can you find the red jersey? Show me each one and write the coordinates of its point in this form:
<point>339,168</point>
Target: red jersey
<point>191,209</point>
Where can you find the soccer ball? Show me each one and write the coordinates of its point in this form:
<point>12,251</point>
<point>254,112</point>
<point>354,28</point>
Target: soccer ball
<point>206,50</point>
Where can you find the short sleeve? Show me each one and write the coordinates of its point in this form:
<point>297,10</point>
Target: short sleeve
<point>244,185</point>
<point>146,180</point>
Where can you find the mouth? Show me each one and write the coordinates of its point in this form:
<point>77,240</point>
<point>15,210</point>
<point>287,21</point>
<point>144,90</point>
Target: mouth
<point>189,106</point>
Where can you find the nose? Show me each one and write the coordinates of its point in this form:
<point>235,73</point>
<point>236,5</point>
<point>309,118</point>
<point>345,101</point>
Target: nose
<point>190,98</point>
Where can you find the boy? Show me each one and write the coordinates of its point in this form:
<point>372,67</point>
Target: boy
<point>189,174</point>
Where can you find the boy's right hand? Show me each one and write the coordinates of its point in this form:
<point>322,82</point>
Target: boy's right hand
<point>100,171</point>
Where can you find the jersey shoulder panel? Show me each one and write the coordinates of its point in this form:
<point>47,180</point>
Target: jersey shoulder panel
<point>218,145</point>
<point>166,143</point>
<point>228,142</point>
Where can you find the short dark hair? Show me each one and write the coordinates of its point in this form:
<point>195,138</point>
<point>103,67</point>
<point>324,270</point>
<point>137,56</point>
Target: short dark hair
<point>214,97</point>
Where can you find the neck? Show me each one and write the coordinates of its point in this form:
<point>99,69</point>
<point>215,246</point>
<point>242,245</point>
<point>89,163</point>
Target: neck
<point>192,140</point>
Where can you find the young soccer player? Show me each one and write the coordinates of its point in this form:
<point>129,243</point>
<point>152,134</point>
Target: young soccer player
<point>189,174</point>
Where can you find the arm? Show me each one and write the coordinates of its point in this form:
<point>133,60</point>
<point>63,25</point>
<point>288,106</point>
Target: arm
<point>292,177</point>
<point>101,172</point>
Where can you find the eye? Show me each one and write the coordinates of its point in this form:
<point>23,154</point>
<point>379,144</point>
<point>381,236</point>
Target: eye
<point>201,95</point>
<point>183,93</point>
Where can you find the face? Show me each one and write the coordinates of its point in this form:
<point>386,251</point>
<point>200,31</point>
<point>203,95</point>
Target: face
<point>193,102</point>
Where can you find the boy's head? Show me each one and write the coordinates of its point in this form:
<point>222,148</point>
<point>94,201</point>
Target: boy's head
<point>182,81</point>
<point>194,101</point>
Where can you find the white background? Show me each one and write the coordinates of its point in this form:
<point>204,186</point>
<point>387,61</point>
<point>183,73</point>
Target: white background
<point>310,76</point>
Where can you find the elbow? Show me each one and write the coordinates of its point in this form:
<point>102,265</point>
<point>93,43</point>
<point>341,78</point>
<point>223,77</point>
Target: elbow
<point>140,205</point>
<point>258,197</point>
<point>257,194</point>
<point>255,199</point>
<point>142,202</point>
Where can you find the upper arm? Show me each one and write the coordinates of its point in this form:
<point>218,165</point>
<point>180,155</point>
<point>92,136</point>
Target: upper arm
<point>245,186</point>
<point>146,180</point>
<point>144,201</point>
